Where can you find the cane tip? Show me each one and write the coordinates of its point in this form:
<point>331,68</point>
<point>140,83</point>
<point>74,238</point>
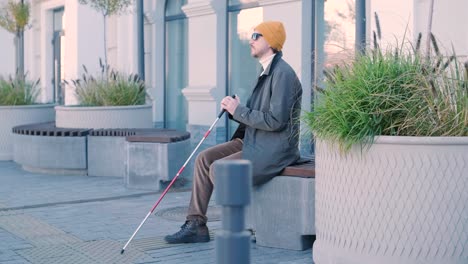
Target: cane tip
<point>122,251</point>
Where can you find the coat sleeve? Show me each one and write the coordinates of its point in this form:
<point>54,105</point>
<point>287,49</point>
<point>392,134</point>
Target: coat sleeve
<point>284,93</point>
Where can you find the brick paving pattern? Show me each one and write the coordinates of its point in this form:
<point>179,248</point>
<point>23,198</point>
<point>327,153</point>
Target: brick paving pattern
<point>79,219</point>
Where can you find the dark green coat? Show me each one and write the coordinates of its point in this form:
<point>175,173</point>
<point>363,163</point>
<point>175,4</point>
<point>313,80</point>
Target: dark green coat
<point>269,122</point>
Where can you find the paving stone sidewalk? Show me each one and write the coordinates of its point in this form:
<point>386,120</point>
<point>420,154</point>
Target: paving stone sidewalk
<point>79,219</point>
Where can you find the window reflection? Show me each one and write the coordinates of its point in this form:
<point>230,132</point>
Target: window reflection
<point>243,69</point>
<point>340,17</point>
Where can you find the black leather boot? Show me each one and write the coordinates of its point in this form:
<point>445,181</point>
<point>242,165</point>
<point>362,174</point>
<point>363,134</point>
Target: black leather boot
<point>192,231</point>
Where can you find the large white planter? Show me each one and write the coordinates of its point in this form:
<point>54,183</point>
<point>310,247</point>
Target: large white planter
<point>134,116</point>
<point>404,200</point>
<point>11,116</point>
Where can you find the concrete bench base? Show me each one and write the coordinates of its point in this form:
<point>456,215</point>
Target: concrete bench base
<point>107,156</point>
<point>282,213</point>
<point>151,164</point>
<point>49,154</point>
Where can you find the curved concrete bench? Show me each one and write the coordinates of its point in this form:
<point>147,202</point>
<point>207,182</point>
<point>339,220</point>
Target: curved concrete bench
<point>44,148</point>
<point>154,158</point>
<point>282,212</point>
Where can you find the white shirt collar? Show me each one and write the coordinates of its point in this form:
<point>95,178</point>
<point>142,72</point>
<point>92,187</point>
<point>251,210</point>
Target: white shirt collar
<point>266,62</point>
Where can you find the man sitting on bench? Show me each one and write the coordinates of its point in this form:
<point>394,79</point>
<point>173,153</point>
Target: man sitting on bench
<point>268,133</point>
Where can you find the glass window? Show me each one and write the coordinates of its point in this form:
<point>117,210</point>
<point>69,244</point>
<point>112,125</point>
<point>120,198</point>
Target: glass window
<point>174,7</point>
<point>175,112</point>
<point>240,4</point>
<point>58,17</point>
<point>340,26</point>
<point>243,69</point>
<point>58,55</point>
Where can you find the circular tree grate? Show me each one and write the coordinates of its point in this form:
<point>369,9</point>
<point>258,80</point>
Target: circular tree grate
<point>179,213</point>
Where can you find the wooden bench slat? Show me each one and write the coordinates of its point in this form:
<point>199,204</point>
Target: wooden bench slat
<point>163,136</point>
<point>305,170</point>
<point>48,129</point>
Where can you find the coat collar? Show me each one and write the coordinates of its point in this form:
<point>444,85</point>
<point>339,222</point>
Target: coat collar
<point>272,65</point>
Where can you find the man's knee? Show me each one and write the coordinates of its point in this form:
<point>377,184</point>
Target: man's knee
<point>202,157</point>
<point>207,156</point>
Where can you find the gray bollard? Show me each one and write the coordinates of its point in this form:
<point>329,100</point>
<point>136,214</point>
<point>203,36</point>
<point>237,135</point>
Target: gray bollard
<point>233,187</point>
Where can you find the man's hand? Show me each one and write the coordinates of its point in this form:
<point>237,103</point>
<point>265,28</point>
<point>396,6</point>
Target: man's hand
<point>230,104</point>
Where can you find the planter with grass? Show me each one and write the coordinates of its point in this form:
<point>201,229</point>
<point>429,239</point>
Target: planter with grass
<point>96,117</point>
<point>117,101</point>
<point>18,107</point>
<point>391,160</point>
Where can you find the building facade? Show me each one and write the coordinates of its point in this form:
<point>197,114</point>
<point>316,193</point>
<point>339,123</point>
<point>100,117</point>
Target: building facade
<point>196,51</point>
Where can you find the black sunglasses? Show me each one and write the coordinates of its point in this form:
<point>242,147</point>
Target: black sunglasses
<point>256,35</point>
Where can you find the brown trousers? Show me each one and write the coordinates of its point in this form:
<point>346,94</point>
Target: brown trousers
<point>204,178</point>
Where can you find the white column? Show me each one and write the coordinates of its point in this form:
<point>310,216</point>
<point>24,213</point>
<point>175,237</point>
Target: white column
<point>201,105</point>
<point>7,53</point>
<point>84,42</point>
<point>127,57</point>
<point>32,53</point>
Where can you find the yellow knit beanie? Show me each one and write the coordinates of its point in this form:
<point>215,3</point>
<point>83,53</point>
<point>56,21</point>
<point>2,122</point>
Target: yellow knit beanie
<point>273,32</point>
